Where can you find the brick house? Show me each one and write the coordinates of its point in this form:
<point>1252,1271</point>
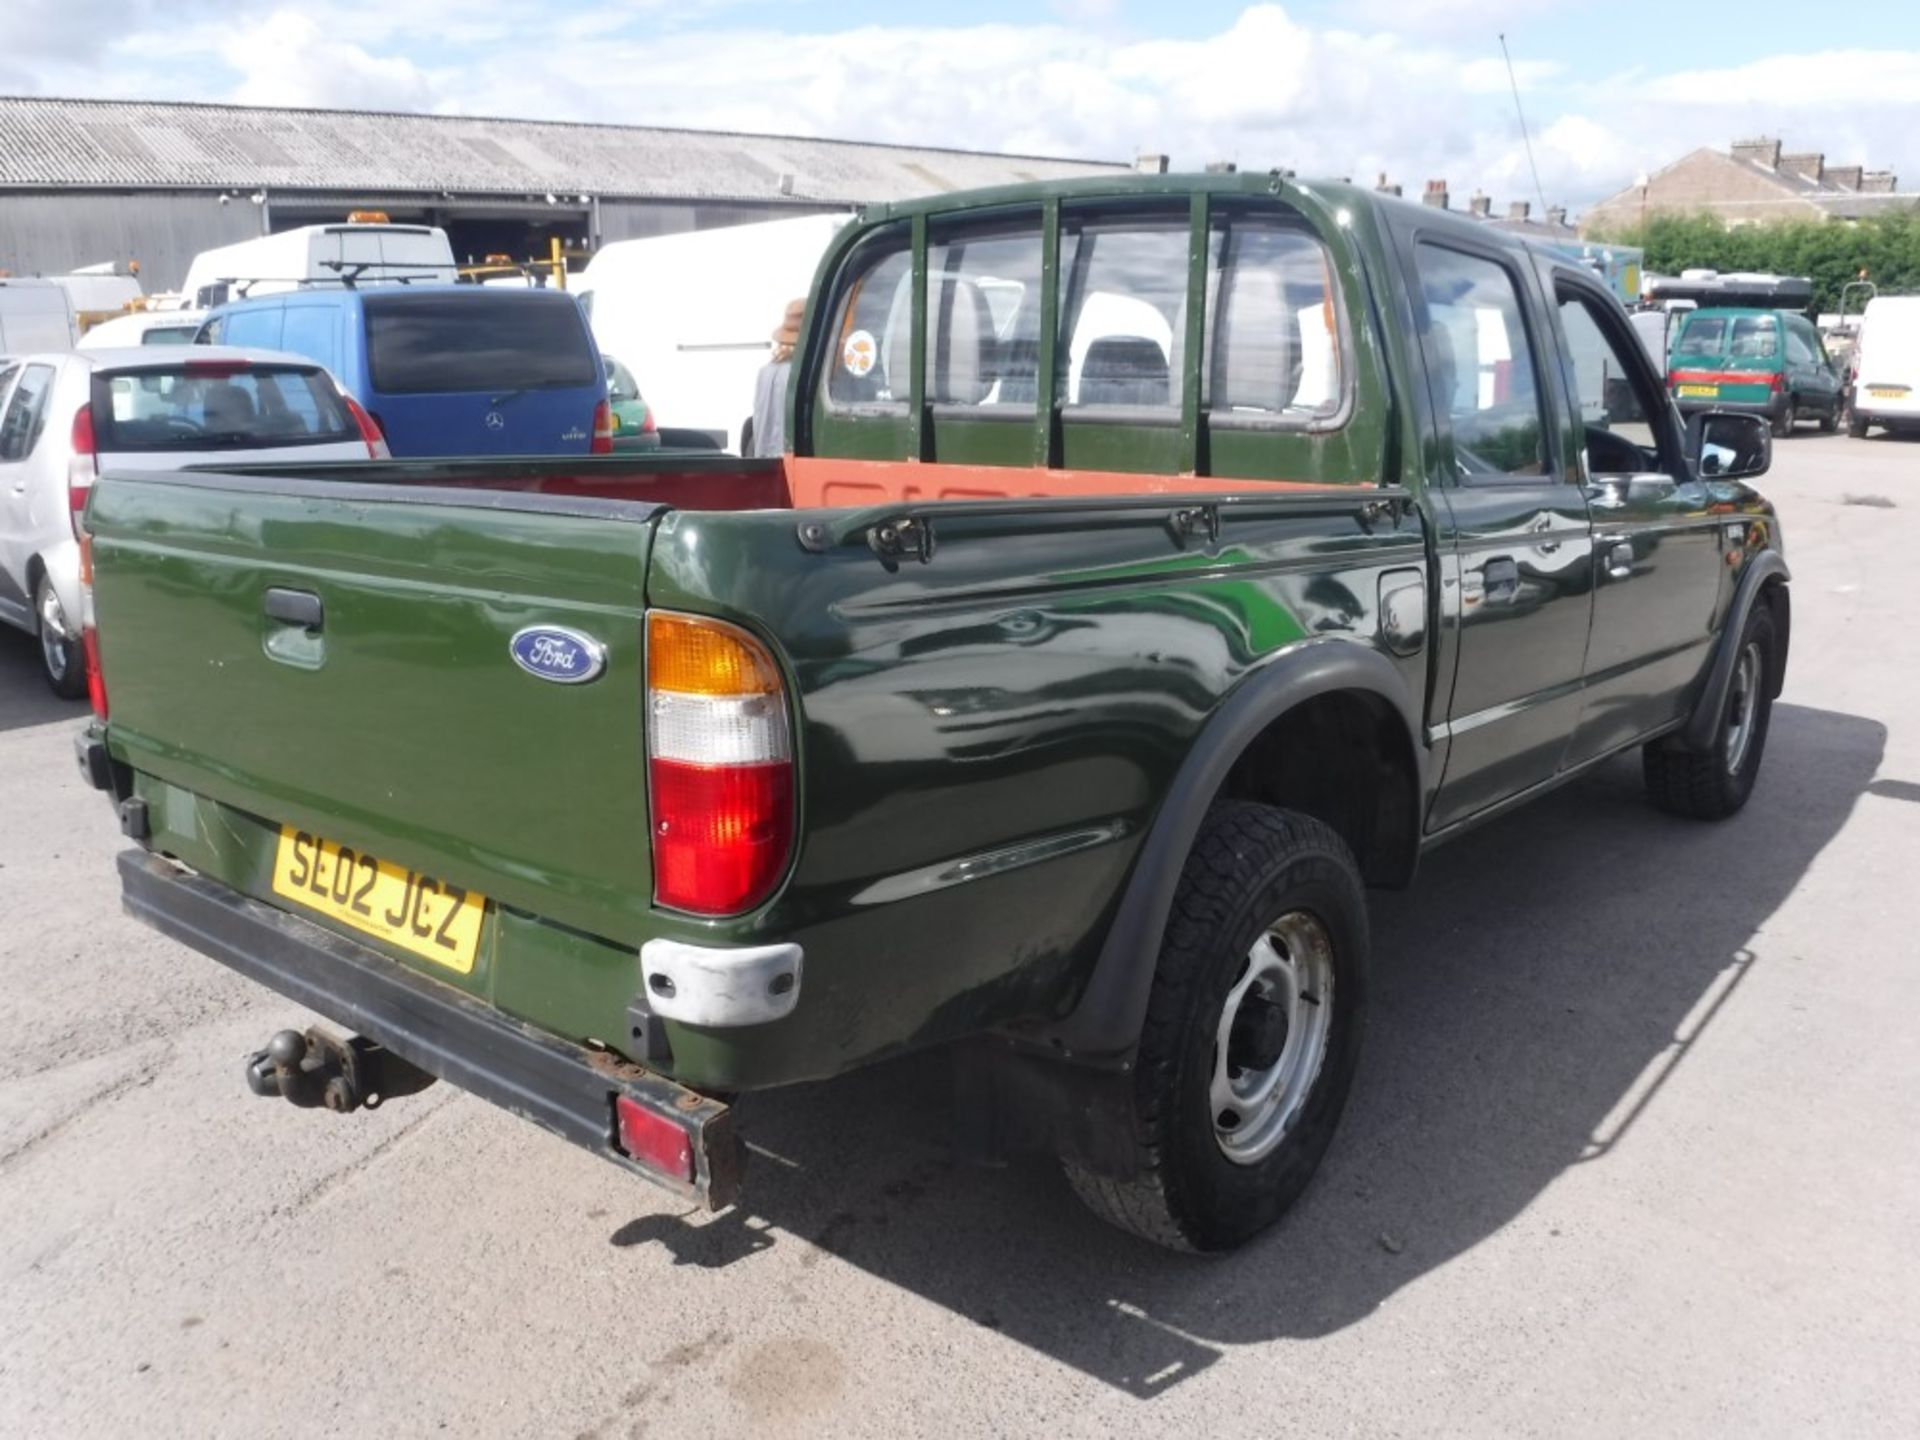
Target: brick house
<point>1751,182</point>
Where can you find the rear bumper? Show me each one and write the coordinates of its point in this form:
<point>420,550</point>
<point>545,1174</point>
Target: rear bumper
<point>1770,408</point>
<point>564,1088</point>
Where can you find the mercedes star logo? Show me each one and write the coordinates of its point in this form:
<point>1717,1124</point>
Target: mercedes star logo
<point>496,421</point>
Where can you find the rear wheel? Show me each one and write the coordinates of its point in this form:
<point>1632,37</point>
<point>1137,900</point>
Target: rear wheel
<point>1712,784</point>
<point>61,655</point>
<point>1856,425</point>
<point>1251,1036</point>
<point>1830,421</point>
<point>1788,417</point>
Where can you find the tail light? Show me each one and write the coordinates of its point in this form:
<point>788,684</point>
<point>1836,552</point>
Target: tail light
<point>83,466</point>
<point>89,634</point>
<point>649,428</point>
<point>602,429</point>
<point>1776,381</point>
<point>720,766</point>
<point>369,429</point>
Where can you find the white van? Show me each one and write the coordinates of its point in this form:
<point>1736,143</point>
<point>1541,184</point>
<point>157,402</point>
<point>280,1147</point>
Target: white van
<point>1886,385</point>
<point>366,254</point>
<point>692,315</point>
<point>35,315</point>
<point>98,292</point>
<point>144,327</point>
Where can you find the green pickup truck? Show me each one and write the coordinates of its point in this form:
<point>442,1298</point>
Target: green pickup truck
<point>1161,561</point>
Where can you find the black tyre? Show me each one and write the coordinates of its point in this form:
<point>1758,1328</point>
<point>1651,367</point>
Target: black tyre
<point>1856,425</point>
<point>1830,421</point>
<point>1712,784</point>
<point>1788,417</point>
<point>1251,1036</point>
<point>61,655</point>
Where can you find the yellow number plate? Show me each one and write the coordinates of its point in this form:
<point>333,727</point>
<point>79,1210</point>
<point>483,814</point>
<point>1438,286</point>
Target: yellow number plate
<point>1879,393</point>
<point>1706,392</point>
<point>423,916</point>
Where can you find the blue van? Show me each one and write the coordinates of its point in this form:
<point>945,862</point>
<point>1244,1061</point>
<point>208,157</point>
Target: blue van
<point>444,369</point>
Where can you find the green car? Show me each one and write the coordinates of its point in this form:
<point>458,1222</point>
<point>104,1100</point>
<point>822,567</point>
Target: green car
<point>1769,362</point>
<point>633,427</point>
<point>1157,564</point>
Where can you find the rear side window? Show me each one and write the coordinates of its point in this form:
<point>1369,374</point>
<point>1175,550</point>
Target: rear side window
<point>258,408</point>
<point>26,413</point>
<point>983,318</point>
<point>472,340</point>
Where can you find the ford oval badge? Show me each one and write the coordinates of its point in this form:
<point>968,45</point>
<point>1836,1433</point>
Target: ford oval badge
<point>553,652</point>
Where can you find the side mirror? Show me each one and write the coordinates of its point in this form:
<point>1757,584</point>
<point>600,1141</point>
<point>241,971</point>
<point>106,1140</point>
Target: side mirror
<point>1725,445</point>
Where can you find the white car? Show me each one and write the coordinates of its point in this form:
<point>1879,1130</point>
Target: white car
<point>66,416</point>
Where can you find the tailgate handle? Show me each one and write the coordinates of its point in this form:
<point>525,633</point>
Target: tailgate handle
<point>295,607</point>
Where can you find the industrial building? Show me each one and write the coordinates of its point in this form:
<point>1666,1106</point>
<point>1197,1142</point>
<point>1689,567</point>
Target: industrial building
<point>85,181</point>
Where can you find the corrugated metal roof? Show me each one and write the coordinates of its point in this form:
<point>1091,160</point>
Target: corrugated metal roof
<point>108,144</point>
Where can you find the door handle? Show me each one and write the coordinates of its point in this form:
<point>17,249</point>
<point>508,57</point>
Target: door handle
<point>1500,578</point>
<point>295,607</point>
<point>1617,551</point>
<point>1542,526</point>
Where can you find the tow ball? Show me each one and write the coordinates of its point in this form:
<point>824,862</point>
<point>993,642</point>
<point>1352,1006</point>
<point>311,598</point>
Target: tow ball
<point>319,1068</point>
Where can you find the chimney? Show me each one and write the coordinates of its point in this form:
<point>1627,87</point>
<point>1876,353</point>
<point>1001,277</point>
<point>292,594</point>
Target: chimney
<point>1383,187</point>
<point>1150,164</point>
<point>1878,182</point>
<point>1222,167</point>
<point>1763,150</point>
<point>1844,177</point>
<point>1520,210</point>
<point>1480,206</point>
<point>1808,164</point>
<point>1436,194</point>
<point>1557,216</point>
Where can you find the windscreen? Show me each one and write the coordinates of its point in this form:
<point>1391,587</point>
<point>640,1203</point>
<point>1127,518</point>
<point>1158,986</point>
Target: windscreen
<point>195,407</point>
<point>1702,335</point>
<point>469,340</point>
<point>171,334</point>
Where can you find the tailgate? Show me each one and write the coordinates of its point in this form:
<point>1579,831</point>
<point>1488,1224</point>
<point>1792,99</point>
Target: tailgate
<point>402,723</point>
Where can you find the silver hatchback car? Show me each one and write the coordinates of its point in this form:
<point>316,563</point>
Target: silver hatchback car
<point>66,416</point>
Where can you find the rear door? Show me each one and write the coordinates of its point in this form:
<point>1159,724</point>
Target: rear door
<point>469,371</point>
<point>1520,570</point>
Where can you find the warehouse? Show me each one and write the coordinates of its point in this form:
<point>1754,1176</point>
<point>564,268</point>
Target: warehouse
<point>85,181</point>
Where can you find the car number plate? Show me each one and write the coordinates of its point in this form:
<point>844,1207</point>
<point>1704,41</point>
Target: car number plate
<point>422,915</point>
<point>1705,392</point>
<point>1879,393</point>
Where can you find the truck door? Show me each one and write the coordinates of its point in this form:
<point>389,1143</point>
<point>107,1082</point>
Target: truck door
<point>1517,579</point>
<point>1657,575</point>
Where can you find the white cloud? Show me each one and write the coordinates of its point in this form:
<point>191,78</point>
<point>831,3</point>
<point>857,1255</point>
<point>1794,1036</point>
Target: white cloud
<point>1382,91</point>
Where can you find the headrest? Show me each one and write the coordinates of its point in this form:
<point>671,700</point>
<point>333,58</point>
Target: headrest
<point>1124,370</point>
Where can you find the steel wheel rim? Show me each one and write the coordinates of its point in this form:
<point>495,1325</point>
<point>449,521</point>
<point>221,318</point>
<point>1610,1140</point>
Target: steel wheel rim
<point>1256,1095</point>
<point>1742,706</point>
<point>53,634</point>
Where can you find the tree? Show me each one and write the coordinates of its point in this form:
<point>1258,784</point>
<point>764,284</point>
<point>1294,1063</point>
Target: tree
<point>1827,252</point>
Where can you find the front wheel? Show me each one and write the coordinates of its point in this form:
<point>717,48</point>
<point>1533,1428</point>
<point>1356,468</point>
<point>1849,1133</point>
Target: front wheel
<point>1712,784</point>
<point>61,655</point>
<point>1251,1037</point>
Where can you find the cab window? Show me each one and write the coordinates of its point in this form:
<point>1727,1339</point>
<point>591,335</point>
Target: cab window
<point>983,317</point>
<point>1481,370</point>
<point>1612,395</point>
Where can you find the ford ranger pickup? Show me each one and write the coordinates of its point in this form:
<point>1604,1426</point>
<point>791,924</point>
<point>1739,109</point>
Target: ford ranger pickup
<point>1159,563</point>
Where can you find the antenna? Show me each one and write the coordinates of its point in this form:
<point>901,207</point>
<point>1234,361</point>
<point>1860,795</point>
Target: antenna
<point>1525,138</point>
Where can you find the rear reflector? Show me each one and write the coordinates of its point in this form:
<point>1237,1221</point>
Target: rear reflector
<point>720,765</point>
<point>654,1140</point>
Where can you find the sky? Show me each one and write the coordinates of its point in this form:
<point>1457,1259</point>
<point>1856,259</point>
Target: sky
<point>1415,89</point>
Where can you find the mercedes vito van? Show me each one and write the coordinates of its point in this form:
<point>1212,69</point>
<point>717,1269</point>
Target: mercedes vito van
<point>445,369</point>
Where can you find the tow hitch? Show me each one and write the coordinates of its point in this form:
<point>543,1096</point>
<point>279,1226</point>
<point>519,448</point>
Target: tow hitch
<point>321,1069</point>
